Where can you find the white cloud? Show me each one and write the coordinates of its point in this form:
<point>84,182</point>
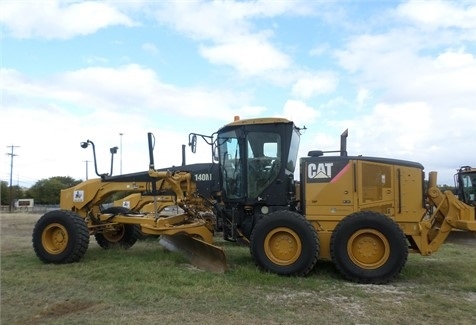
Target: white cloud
<point>250,56</point>
<point>99,103</point>
<point>392,65</point>
<point>248,111</point>
<point>58,19</point>
<point>454,59</point>
<point>378,53</point>
<point>219,20</point>
<point>380,128</point>
<point>299,112</point>
<point>227,34</point>
<point>312,85</point>
<point>363,95</point>
<point>440,14</point>
<point>440,139</point>
<point>129,87</point>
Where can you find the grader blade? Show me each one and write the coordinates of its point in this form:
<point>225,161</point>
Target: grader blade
<point>199,253</point>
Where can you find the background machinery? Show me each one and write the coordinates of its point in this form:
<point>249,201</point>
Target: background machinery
<point>465,185</point>
<point>365,214</point>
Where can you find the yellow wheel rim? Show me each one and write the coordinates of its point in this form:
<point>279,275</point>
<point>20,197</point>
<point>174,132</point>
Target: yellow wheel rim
<point>114,235</point>
<point>368,248</point>
<point>55,238</point>
<point>282,246</point>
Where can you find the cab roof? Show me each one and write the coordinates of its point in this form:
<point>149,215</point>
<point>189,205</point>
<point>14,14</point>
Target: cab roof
<point>261,120</point>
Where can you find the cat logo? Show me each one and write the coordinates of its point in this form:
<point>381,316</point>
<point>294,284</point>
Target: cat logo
<point>325,171</point>
<point>320,171</point>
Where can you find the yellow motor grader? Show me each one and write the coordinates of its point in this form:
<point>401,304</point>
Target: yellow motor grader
<point>143,203</point>
<point>365,214</point>
<point>62,236</point>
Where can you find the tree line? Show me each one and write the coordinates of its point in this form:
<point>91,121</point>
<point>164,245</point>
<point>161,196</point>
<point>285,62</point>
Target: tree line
<point>44,192</point>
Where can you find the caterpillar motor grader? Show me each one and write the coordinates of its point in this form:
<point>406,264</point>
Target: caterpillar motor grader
<point>365,214</point>
<point>62,236</point>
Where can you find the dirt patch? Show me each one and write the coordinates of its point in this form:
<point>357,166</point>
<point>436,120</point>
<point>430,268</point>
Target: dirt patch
<point>64,307</point>
<point>61,309</point>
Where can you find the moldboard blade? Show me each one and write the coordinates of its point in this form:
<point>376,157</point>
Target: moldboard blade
<point>200,254</point>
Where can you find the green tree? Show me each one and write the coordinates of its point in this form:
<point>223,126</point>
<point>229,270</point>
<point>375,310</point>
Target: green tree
<point>4,193</point>
<point>445,187</point>
<point>16,193</point>
<point>442,188</point>
<point>47,191</point>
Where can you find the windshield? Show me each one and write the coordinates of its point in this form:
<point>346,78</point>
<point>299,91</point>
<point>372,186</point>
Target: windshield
<point>250,171</point>
<point>468,182</point>
<point>264,160</point>
<point>230,164</point>
<point>293,151</point>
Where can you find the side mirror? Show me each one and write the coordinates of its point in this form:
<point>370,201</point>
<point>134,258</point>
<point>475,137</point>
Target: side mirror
<point>193,143</point>
<point>215,154</point>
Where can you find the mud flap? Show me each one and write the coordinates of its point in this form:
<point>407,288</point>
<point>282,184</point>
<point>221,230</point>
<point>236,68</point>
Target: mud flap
<point>200,254</point>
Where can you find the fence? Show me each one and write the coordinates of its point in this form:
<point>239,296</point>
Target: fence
<point>37,208</point>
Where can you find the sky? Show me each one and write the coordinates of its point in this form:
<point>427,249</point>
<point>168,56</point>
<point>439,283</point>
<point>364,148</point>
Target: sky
<point>399,75</point>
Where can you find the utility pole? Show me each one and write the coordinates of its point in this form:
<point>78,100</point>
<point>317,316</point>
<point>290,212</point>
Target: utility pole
<point>11,154</point>
<point>120,145</point>
<point>86,161</point>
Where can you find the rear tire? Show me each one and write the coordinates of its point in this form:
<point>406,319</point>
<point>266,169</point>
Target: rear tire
<point>285,243</point>
<point>368,247</point>
<point>60,237</point>
<point>122,235</point>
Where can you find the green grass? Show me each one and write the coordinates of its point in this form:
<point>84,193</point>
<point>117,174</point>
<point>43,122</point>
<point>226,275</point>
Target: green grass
<point>148,285</point>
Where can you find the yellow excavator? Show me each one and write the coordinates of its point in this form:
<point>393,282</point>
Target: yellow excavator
<point>365,214</point>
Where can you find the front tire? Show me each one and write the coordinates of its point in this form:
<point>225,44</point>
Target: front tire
<point>60,237</point>
<point>368,247</point>
<point>285,243</point>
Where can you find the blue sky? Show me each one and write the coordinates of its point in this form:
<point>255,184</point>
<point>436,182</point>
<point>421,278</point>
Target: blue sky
<point>400,75</point>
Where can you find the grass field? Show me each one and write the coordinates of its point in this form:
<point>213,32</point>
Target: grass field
<point>148,285</point>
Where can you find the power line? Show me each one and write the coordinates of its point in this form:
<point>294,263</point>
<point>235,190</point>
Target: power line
<point>11,154</point>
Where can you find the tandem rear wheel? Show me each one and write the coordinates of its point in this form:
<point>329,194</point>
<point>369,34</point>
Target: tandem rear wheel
<point>285,243</point>
<point>368,247</point>
<point>120,235</point>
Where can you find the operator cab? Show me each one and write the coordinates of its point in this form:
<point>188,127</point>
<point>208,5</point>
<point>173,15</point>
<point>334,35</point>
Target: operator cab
<point>257,161</point>
<point>465,182</point>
